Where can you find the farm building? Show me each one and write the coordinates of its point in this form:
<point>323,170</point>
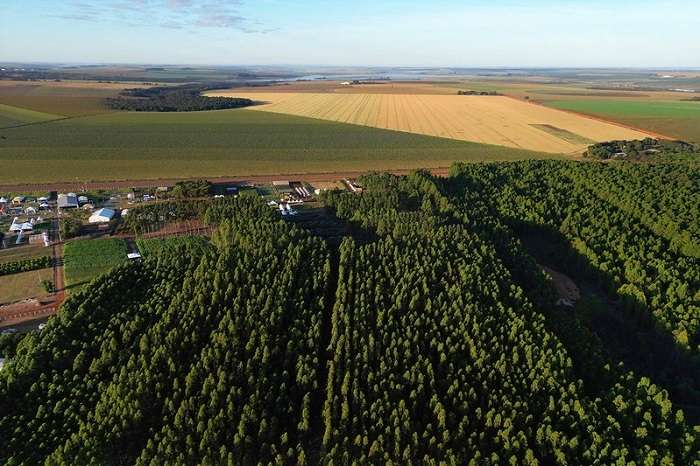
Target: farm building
<point>67,201</point>
<point>282,187</point>
<point>103,215</point>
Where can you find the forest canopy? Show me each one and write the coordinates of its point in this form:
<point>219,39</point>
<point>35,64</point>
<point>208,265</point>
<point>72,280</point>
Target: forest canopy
<point>429,335</point>
<point>640,149</point>
<point>186,98</point>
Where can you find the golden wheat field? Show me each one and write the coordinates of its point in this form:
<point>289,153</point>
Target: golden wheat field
<point>496,120</point>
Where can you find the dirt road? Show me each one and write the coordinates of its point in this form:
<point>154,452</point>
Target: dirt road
<point>258,179</point>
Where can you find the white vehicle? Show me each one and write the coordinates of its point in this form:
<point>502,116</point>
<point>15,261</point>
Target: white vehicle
<point>42,326</point>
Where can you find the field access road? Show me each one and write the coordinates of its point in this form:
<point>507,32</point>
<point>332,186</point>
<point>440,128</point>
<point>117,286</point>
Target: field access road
<point>152,183</point>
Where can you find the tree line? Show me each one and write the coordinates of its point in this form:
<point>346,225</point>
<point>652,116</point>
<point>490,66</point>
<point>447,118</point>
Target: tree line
<point>186,98</point>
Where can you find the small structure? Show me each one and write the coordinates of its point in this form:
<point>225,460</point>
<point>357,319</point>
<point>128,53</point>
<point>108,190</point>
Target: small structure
<point>125,212</point>
<point>18,200</point>
<point>83,200</point>
<point>88,206</point>
<point>354,187</point>
<point>43,199</point>
<point>30,211</point>
<point>282,187</point>
<point>42,238</point>
<point>3,200</point>
<point>44,206</point>
<point>133,256</point>
<point>17,227</point>
<point>67,201</point>
<point>103,215</point>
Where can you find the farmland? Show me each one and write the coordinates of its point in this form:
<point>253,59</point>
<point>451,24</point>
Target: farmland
<point>674,118</point>
<point>64,98</point>
<point>483,119</point>
<point>84,260</point>
<point>219,143</point>
<point>21,285</point>
<point>14,116</point>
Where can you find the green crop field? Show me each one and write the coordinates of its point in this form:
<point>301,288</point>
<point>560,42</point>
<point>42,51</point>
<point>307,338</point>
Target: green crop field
<point>86,259</point>
<point>671,118</point>
<point>13,116</point>
<point>219,143</point>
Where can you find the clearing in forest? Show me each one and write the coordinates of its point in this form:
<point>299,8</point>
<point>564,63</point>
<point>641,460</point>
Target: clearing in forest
<point>495,120</point>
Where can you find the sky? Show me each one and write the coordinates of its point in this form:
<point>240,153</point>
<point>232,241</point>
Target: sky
<point>435,33</point>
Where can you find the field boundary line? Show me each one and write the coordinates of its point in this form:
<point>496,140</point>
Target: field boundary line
<point>595,118</point>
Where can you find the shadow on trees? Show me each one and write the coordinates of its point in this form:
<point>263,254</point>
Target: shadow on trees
<point>603,329</point>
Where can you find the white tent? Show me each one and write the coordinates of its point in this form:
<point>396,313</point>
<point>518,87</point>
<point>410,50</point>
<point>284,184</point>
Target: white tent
<point>103,215</point>
<point>15,226</point>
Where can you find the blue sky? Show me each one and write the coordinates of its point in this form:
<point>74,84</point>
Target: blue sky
<point>465,33</point>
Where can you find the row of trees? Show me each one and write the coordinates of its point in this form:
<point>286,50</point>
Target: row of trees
<point>639,266</point>
<point>439,356</point>
<point>25,265</point>
<point>434,350</point>
<point>207,358</point>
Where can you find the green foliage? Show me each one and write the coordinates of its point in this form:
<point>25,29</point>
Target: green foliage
<point>185,98</point>
<point>71,223</point>
<point>439,356</point>
<point>86,259</point>
<point>640,150</point>
<point>178,359</point>
<point>421,343</point>
<point>629,234</point>
<point>25,265</point>
<point>49,286</point>
<point>194,188</point>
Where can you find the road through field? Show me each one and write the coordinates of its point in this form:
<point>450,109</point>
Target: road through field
<point>78,186</point>
<point>498,120</point>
